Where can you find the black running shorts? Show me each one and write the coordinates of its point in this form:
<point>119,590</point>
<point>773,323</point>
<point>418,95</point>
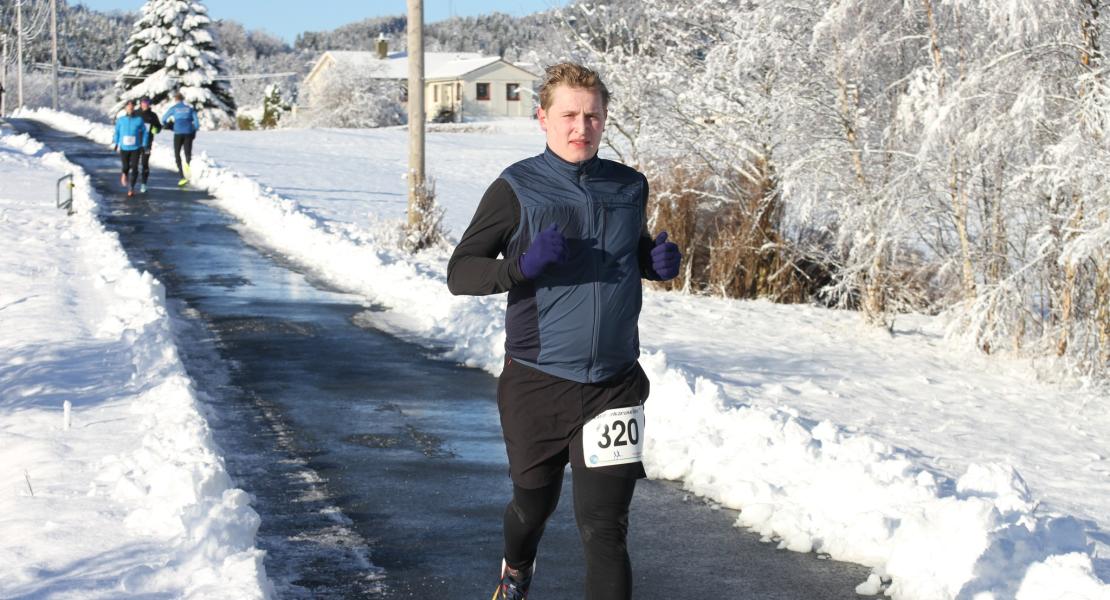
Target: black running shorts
<point>542,418</point>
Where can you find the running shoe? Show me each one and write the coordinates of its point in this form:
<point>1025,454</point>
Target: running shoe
<point>123,179</point>
<point>182,182</point>
<point>514,584</point>
<point>188,171</point>
<point>130,193</point>
<point>142,188</point>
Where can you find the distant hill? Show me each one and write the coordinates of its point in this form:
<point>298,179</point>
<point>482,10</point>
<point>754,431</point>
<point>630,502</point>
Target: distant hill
<point>496,34</point>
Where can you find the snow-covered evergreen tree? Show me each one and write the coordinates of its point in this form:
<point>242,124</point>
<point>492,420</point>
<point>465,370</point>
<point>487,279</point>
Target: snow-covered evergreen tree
<point>172,50</point>
<point>273,107</point>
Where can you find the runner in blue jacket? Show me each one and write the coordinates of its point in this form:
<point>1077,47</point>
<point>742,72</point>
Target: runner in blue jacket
<point>130,136</point>
<point>185,124</point>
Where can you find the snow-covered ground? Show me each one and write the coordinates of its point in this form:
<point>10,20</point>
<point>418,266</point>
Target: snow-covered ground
<point>111,484</point>
<point>952,475</point>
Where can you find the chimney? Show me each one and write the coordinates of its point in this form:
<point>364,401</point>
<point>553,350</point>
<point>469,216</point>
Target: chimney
<point>383,46</point>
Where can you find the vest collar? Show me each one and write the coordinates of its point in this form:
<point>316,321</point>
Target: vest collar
<point>569,169</point>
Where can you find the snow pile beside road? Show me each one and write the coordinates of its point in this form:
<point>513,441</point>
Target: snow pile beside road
<point>816,488</point>
<point>112,483</point>
<point>808,486</point>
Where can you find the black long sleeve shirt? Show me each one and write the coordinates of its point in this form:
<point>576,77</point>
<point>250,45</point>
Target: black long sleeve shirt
<point>153,123</point>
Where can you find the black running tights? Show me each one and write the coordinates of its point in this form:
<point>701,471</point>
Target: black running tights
<point>129,164</point>
<point>144,163</point>
<point>601,508</point>
<point>183,140</point>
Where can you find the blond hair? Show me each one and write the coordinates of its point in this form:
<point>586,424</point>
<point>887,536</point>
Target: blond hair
<point>571,75</point>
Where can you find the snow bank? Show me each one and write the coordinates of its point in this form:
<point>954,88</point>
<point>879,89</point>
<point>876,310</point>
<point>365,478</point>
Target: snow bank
<point>806,486</point>
<point>131,497</point>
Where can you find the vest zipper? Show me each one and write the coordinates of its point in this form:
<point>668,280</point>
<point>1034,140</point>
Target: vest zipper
<point>596,281</point>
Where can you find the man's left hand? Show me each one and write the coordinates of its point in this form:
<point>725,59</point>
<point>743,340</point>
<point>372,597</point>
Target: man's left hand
<point>665,258</point>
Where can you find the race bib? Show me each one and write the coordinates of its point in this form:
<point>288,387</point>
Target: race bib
<point>615,437</point>
<point>128,140</point>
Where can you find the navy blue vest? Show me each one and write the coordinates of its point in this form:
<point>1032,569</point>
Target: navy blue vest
<point>578,320</point>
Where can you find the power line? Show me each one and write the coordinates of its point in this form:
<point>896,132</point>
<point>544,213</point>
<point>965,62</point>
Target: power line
<point>98,73</point>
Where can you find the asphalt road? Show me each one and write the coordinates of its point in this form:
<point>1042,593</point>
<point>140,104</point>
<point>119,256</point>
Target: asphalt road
<point>379,471</point>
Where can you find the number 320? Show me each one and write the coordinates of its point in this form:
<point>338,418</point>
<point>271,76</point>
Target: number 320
<point>621,430</point>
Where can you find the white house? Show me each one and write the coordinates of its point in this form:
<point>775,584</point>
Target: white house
<point>457,85</point>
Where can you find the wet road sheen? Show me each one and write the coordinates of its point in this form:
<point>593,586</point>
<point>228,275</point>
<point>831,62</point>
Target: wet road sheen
<point>360,449</point>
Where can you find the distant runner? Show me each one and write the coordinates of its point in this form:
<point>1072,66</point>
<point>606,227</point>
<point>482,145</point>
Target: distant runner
<point>129,138</point>
<point>185,125</point>
<point>154,124</point>
<point>571,229</point>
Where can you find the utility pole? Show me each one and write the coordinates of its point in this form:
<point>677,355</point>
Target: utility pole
<point>54,46</point>
<point>19,49</point>
<point>416,106</point>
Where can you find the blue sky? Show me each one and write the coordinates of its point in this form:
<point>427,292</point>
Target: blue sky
<point>287,18</point>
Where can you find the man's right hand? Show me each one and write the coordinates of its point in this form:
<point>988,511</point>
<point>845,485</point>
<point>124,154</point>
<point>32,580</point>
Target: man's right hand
<point>549,247</point>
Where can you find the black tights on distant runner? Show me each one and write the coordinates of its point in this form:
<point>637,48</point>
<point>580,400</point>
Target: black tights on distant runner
<point>601,508</point>
<point>183,140</point>
<point>129,162</point>
<point>145,164</point>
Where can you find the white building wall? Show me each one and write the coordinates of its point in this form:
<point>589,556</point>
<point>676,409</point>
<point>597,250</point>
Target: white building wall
<point>440,95</point>
<point>498,76</point>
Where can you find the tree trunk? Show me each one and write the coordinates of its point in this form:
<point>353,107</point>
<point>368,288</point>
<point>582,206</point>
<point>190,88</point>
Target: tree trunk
<point>1071,272</point>
<point>1102,311</point>
<point>958,196</point>
<point>934,45</point>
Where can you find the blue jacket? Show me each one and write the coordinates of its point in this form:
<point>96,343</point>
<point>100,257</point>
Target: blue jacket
<point>131,132</point>
<point>578,320</point>
<point>184,119</point>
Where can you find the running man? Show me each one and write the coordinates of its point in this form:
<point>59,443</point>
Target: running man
<point>129,138</point>
<point>185,125</point>
<point>154,125</point>
<point>571,231</point>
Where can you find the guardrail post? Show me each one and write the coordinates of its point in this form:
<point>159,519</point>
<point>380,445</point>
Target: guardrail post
<point>68,203</point>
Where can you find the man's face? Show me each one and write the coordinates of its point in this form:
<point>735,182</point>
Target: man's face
<point>129,108</point>
<point>574,123</point>
<point>145,105</point>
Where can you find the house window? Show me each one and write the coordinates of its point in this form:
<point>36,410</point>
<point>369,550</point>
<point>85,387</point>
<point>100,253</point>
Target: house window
<point>512,91</point>
<point>483,91</point>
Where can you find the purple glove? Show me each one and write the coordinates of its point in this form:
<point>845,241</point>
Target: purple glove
<point>549,247</point>
<point>665,258</point>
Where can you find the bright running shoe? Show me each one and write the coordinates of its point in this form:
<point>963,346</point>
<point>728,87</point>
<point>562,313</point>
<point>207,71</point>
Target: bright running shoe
<point>130,193</point>
<point>142,188</point>
<point>188,171</point>
<point>182,182</point>
<point>123,179</point>
<point>514,584</point>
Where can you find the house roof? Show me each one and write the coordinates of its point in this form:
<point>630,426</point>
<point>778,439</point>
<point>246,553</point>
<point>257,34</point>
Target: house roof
<point>437,65</point>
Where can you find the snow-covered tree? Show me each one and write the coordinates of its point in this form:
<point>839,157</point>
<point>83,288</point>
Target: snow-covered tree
<point>273,107</point>
<point>171,49</point>
<point>934,155</point>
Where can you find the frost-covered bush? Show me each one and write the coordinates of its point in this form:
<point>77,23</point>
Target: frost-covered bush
<point>353,99</point>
